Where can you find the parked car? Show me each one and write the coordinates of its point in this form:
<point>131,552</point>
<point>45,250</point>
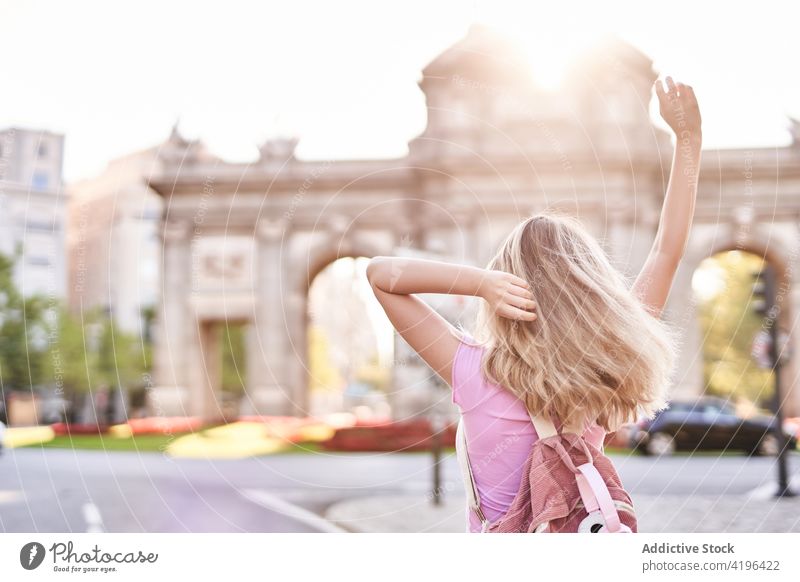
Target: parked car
<point>708,423</point>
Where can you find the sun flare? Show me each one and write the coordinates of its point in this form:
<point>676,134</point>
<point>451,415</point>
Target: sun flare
<point>552,36</point>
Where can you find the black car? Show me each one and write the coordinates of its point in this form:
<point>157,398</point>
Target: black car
<point>706,424</point>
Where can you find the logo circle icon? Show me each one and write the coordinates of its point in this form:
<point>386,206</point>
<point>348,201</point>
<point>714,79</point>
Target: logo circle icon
<point>31,555</point>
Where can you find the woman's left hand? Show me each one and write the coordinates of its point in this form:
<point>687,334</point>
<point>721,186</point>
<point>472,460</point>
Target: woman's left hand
<point>508,295</point>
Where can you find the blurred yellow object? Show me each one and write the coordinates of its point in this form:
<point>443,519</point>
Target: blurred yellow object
<point>22,436</point>
<point>231,441</point>
<point>120,431</point>
<point>314,433</point>
<point>238,430</point>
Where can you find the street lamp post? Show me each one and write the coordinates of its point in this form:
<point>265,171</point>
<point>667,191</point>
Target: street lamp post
<point>437,426</point>
<point>765,305</point>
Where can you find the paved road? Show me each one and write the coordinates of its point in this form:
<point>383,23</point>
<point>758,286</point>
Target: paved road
<point>78,491</point>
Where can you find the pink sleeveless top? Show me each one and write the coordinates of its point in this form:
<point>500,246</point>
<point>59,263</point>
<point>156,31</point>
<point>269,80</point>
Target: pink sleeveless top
<point>499,433</point>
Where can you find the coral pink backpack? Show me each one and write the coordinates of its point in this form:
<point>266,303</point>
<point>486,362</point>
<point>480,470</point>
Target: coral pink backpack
<point>568,485</point>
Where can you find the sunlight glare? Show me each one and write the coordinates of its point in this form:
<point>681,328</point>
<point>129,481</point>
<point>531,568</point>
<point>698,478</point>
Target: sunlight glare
<point>553,36</point>
<point>708,280</point>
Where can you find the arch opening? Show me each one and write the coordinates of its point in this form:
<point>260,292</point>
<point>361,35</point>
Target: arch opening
<point>723,289</point>
<point>349,343</point>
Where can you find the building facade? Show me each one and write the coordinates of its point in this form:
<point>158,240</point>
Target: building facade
<point>32,209</point>
<point>113,238</point>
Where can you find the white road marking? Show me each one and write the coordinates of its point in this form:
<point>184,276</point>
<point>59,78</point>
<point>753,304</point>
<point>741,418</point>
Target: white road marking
<point>10,496</point>
<point>94,521</point>
<point>278,505</point>
<point>768,490</point>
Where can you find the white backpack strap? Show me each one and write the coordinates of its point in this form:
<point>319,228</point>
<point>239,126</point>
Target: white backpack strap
<point>545,427</point>
<point>473,498</point>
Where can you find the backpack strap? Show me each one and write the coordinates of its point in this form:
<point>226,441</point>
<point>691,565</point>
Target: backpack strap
<point>473,498</point>
<point>591,486</point>
<point>545,427</point>
<point>596,497</point>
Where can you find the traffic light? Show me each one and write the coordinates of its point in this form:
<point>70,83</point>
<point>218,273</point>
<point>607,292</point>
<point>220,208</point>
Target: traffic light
<point>765,347</point>
<point>762,296</point>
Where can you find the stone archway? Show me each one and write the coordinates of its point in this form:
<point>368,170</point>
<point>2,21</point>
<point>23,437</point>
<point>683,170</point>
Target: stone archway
<point>765,245</point>
<point>335,245</point>
<point>235,265</point>
<point>349,348</point>
<point>208,280</point>
<point>506,150</point>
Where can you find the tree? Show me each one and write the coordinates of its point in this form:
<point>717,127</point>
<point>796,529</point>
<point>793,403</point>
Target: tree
<point>71,362</point>
<point>23,334</point>
<point>121,359</point>
<point>90,353</point>
<point>729,326</point>
<point>233,357</point>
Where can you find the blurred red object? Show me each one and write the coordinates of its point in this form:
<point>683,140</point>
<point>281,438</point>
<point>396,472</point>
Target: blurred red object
<point>407,435</point>
<point>63,428</point>
<point>164,424</point>
<point>620,439</point>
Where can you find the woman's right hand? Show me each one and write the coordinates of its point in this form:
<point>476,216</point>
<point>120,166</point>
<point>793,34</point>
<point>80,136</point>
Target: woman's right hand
<point>678,107</point>
<point>509,296</point>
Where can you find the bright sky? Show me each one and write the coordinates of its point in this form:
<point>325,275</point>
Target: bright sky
<point>114,76</point>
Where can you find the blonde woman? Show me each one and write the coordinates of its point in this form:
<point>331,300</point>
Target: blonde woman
<point>559,331</point>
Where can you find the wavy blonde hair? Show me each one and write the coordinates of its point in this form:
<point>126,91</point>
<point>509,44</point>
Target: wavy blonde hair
<point>594,354</point>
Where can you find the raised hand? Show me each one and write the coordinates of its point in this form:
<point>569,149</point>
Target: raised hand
<point>508,295</point>
<point>678,107</point>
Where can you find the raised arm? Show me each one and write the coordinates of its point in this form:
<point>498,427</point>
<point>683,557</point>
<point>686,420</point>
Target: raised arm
<point>395,280</point>
<point>678,107</point>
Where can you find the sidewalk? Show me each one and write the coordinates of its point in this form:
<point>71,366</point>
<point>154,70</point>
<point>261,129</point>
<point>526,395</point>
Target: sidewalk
<point>402,513</point>
<point>657,514</point>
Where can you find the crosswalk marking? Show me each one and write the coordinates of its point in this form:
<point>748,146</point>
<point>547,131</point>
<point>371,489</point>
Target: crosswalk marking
<point>94,521</point>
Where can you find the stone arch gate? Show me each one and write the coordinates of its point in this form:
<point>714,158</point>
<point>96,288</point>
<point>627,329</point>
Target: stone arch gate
<point>236,251</point>
<point>242,242</point>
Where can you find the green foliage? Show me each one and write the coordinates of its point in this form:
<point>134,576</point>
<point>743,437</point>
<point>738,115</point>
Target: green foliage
<point>70,362</point>
<point>233,358</point>
<point>23,333</point>
<point>91,352</point>
<point>41,343</point>
<point>120,360</point>
<point>149,442</point>
<point>728,325</point>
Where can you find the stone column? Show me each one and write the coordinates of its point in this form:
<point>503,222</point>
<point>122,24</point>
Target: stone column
<point>205,373</point>
<point>169,396</point>
<point>413,384</point>
<point>631,235</point>
<point>296,365</point>
<point>268,388</point>
<point>681,312</point>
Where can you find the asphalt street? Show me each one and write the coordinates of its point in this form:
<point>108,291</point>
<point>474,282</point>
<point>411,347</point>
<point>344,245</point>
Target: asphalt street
<point>60,490</point>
